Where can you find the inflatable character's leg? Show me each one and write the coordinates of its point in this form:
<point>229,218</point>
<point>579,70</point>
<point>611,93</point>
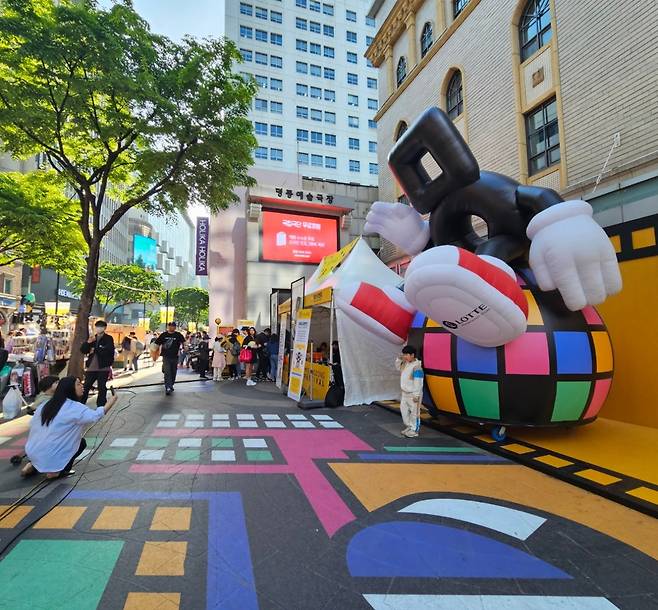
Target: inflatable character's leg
<point>474,297</point>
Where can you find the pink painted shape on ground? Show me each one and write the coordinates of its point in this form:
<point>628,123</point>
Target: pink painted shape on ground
<point>591,315</point>
<point>527,355</point>
<point>299,448</point>
<point>436,351</point>
<point>601,389</point>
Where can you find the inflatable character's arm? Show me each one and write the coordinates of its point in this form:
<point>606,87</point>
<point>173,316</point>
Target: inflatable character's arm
<point>400,224</point>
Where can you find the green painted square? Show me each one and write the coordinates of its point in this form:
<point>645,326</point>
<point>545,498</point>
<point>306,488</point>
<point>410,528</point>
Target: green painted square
<point>157,443</point>
<point>480,398</point>
<point>114,455</point>
<point>570,400</point>
<point>187,455</point>
<point>92,441</point>
<point>259,455</point>
<point>222,442</point>
<point>69,574</point>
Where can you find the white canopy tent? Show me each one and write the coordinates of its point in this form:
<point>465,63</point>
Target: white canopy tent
<point>367,361</point>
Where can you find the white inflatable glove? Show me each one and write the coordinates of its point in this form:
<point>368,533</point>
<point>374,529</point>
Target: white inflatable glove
<point>570,252</point>
<point>400,224</point>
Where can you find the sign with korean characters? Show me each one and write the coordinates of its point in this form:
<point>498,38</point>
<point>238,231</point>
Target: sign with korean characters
<point>298,360</point>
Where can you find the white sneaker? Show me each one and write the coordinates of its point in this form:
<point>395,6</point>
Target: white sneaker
<point>404,432</point>
<point>410,433</point>
<point>250,382</point>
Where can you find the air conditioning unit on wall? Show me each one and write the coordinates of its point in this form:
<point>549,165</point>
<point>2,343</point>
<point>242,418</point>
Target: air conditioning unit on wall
<point>253,213</point>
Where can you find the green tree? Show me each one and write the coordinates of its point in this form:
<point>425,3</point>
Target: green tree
<point>155,319</point>
<point>38,224</point>
<point>121,113</point>
<point>191,304</point>
<point>120,285</point>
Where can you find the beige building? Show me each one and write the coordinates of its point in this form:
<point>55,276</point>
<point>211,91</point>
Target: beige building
<point>554,93</point>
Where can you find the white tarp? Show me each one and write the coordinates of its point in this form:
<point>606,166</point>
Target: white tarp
<point>368,362</point>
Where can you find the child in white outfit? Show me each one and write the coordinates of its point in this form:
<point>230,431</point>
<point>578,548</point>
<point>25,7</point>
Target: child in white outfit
<point>411,386</point>
<point>218,358</point>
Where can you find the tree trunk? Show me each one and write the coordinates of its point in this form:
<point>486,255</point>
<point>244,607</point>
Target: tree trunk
<point>81,334</point>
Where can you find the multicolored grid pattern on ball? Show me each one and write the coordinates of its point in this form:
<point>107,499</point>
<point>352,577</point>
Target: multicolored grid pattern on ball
<point>558,372</point>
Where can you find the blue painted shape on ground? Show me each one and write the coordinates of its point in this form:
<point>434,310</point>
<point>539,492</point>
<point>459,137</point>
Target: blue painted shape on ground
<point>426,550</point>
<point>424,457</point>
<point>231,584</point>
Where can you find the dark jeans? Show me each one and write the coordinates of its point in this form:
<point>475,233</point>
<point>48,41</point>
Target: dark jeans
<point>263,367</point>
<point>233,370</point>
<point>169,368</point>
<point>101,378</point>
<point>203,366</point>
<point>83,446</point>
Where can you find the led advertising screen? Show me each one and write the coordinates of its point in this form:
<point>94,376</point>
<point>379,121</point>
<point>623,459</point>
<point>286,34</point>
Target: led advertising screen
<point>297,238</point>
<point>145,252</point>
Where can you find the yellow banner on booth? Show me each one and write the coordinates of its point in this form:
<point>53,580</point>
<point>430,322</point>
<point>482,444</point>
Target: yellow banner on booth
<point>320,376</point>
<point>331,261</point>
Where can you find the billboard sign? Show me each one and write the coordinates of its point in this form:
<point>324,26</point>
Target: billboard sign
<point>202,230</point>
<point>145,252</point>
<point>297,238</point>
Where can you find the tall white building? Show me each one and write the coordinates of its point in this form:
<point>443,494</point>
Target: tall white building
<point>314,111</point>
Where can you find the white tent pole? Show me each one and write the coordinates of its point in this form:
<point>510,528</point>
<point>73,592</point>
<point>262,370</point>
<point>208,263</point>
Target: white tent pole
<point>331,329</point>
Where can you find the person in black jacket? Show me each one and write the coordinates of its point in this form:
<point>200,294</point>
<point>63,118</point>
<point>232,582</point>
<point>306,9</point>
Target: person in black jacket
<point>100,348</point>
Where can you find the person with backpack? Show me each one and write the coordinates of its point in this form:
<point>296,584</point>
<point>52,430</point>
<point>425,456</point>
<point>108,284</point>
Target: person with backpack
<point>232,355</point>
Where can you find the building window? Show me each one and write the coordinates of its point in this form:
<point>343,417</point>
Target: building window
<point>261,81</point>
<point>372,147</point>
<point>372,83</point>
<point>261,129</point>
<point>330,117</point>
<point>354,144</point>
<point>276,154</point>
<point>370,21</point>
<point>301,67</point>
<point>276,107</point>
<point>355,166</point>
<point>276,39</point>
<point>330,162</point>
<point>261,13</point>
<point>300,3</point>
<point>261,58</point>
<point>329,52</point>
<point>372,124</point>
<point>329,95</point>
<point>352,79</point>
<point>301,45</point>
<point>247,55</point>
<point>261,35</point>
<point>302,158</point>
<point>302,134</point>
<point>328,30</point>
<point>300,23</point>
<point>314,27</point>
<point>246,9</point>
<point>352,100</point>
<point>373,168</point>
<point>351,57</point>
<point>246,32</point>
<point>316,93</point>
<point>276,84</point>
<point>543,137</point>
<point>316,115</point>
<point>261,152</point>
<point>261,104</point>
<point>458,6</point>
<point>350,16</point>
<point>350,36</point>
<point>316,160</point>
<point>314,5</point>
<point>276,17</point>
<point>401,72</point>
<point>316,70</point>
<point>315,48</point>
<point>302,112</point>
<point>276,61</point>
<point>353,121</point>
<point>328,9</point>
<point>316,137</point>
<point>426,39</point>
<point>535,27</point>
<point>372,104</point>
<point>399,132</point>
<point>329,139</point>
<point>329,73</point>
<point>455,96</point>
<point>276,131</point>
<point>245,76</point>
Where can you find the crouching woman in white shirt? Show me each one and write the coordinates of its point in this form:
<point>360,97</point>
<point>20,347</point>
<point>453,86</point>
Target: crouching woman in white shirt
<point>56,430</point>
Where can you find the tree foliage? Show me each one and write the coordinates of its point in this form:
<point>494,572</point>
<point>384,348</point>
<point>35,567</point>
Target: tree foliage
<point>191,304</point>
<point>120,285</point>
<point>38,224</point>
<point>121,113</point>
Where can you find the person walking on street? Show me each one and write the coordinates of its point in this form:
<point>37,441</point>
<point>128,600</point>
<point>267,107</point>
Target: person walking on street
<point>136,349</point>
<point>125,349</point>
<point>100,349</point>
<point>170,343</point>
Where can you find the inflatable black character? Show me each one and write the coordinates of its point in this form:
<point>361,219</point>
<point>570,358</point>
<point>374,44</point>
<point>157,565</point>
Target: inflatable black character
<point>465,281</point>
